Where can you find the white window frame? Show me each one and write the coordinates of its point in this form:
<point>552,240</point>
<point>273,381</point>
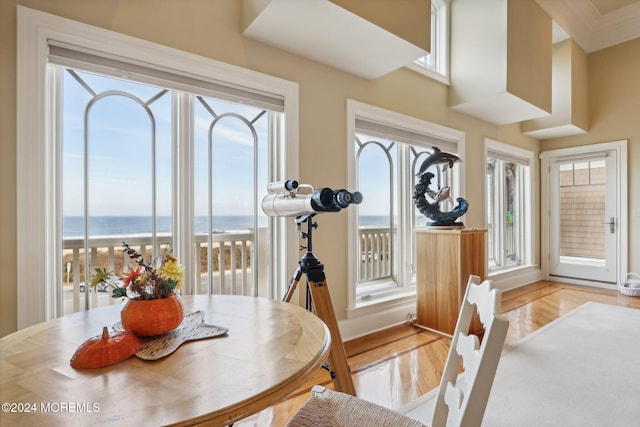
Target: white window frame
<point>517,155</point>
<point>38,161</point>
<point>359,110</point>
<point>438,66</point>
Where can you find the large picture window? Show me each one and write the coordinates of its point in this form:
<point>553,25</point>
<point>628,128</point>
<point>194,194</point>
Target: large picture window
<point>116,142</point>
<point>173,150</point>
<point>388,150</point>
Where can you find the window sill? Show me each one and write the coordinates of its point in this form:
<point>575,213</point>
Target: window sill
<point>382,303</point>
<point>441,78</point>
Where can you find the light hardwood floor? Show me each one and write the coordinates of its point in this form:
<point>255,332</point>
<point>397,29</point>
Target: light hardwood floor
<point>397,365</point>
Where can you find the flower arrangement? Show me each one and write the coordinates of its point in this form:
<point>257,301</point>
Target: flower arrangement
<point>148,281</point>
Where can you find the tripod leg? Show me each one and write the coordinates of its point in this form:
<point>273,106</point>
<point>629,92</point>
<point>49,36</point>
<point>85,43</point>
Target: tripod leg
<point>292,285</point>
<point>337,356</point>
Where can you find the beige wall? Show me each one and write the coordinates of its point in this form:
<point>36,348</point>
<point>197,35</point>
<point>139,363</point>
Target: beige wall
<point>614,114</point>
<point>212,29</point>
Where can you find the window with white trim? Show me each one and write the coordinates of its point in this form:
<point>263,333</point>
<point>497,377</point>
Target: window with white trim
<point>436,63</point>
<point>388,150</point>
<point>509,219</point>
<point>117,150</point>
<point>148,140</point>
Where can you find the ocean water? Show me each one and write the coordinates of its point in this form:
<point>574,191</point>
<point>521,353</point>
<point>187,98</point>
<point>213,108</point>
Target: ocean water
<point>73,226</point>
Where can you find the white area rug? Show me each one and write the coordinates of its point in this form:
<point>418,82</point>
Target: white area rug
<point>582,369</point>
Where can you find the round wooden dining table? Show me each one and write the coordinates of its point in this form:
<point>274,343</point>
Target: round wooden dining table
<point>270,349</point>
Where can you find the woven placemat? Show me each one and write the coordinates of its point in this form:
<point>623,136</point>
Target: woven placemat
<point>192,328</point>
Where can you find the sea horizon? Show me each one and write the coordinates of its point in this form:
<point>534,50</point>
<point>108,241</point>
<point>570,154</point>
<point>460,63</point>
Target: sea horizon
<point>116,225</point>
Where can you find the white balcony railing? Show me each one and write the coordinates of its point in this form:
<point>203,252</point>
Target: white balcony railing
<point>232,258</point>
<point>375,247</point>
<point>231,267</point>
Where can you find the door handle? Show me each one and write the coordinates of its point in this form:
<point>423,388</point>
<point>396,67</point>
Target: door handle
<point>612,225</point>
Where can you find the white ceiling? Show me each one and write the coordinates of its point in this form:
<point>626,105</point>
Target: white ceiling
<point>594,24</point>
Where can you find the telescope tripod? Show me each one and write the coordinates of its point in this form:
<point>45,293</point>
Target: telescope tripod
<point>318,301</point>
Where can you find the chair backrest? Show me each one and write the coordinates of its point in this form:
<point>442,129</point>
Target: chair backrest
<point>462,403</point>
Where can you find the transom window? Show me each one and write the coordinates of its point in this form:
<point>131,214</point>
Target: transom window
<point>436,63</point>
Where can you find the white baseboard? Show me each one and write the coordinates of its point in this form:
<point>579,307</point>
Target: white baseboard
<point>591,283</point>
<point>391,313</point>
<point>516,278</point>
<point>387,316</point>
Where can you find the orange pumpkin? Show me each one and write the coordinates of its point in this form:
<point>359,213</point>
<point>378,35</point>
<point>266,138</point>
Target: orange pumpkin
<point>105,350</point>
<point>145,318</point>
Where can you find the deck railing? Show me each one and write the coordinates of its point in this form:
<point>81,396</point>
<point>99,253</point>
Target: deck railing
<point>231,261</point>
<point>375,247</point>
<point>231,267</point>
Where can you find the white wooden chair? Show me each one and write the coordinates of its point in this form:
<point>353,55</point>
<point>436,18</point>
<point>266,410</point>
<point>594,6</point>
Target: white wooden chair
<point>460,399</point>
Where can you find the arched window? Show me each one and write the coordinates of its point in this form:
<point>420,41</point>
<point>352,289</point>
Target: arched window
<point>110,149</point>
<point>388,150</point>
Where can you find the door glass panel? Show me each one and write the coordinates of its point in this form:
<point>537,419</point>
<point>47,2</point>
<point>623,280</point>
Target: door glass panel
<point>582,212</point>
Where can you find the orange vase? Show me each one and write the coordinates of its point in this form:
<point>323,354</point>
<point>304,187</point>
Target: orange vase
<point>146,318</point>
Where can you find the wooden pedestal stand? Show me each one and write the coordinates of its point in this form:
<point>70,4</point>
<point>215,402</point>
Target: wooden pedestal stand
<point>445,260</point>
<point>319,302</point>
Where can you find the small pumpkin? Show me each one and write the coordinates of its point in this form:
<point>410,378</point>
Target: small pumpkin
<point>104,350</point>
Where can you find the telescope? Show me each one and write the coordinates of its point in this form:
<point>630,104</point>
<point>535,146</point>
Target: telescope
<point>285,199</point>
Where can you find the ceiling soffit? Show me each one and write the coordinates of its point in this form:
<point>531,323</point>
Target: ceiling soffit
<point>596,24</point>
<point>327,33</point>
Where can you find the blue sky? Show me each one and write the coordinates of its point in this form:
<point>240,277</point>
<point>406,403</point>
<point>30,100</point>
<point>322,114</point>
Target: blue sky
<point>119,134</point>
<point>374,181</point>
<point>119,147</point>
